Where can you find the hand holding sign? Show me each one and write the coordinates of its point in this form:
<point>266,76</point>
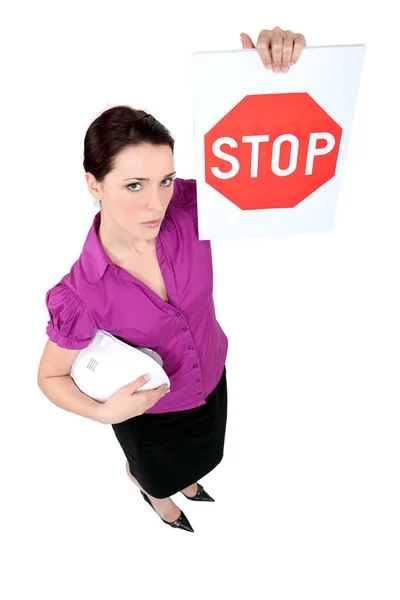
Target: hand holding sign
<point>277,48</point>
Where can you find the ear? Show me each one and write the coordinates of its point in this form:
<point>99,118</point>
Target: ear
<point>93,187</point>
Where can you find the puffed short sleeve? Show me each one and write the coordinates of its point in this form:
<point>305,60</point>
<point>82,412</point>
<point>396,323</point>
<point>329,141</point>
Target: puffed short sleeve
<point>71,325</point>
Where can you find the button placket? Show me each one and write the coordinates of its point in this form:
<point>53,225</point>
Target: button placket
<point>184,330</point>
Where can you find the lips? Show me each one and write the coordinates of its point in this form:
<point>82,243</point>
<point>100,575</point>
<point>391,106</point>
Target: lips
<point>151,222</point>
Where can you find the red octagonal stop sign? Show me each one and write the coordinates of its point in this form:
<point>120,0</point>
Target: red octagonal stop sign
<point>272,151</point>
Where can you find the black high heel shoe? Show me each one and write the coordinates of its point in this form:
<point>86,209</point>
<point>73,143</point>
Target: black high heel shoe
<point>180,523</point>
<point>201,495</point>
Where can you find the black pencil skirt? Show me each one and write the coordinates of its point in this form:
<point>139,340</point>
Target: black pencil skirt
<point>167,452</point>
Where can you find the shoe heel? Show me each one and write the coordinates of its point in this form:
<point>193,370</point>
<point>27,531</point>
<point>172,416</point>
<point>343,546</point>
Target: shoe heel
<point>201,495</point>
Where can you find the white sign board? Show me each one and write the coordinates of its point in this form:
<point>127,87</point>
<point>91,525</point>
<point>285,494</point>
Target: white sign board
<point>270,147</point>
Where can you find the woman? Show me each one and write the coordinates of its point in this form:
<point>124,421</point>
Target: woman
<point>144,276</point>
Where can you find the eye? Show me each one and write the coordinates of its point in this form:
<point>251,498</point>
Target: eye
<point>170,179</point>
<point>129,187</point>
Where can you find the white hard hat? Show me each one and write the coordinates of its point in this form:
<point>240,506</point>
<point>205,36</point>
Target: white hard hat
<point>108,364</point>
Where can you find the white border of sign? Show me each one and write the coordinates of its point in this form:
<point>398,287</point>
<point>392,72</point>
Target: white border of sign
<point>330,74</point>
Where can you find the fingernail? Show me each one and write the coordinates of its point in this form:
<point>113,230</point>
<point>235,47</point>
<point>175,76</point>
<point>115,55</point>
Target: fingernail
<point>269,66</point>
<point>276,70</point>
<point>147,377</point>
<point>285,69</point>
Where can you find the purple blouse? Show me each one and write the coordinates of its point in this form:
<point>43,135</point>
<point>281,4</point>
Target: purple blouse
<point>98,294</point>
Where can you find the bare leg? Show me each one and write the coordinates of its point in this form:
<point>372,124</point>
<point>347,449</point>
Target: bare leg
<point>165,507</point>
<point>132,477</point>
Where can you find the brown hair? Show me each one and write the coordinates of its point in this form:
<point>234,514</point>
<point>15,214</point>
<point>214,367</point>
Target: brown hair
<point>115,129</point>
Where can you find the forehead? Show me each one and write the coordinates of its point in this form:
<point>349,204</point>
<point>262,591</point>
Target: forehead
<point>144,161</point>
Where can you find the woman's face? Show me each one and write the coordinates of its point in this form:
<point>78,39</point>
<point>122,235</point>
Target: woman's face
<point>138,189</point>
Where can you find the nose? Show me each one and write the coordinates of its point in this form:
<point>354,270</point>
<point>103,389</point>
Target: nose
<point>155,203</point>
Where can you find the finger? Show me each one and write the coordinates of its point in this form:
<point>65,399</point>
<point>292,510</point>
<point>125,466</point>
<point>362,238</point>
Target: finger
<point>158,394</point>
<point>263,47</point>
<point>299,43</point>
<point>133,386</point>
<point>246,41</point>
<point>277,48</point>
<point>287,50</point>
<point>162,390</point>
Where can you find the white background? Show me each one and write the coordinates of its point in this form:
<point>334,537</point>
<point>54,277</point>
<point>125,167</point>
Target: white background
<point>307,496</point>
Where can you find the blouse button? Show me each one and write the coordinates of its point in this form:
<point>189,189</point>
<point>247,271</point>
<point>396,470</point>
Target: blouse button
<point>185,329</point>
<point>195,366</point>
<point>190,348</point>
<point>198,380</point>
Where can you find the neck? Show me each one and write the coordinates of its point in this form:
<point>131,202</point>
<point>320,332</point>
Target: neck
<point>119,243</point>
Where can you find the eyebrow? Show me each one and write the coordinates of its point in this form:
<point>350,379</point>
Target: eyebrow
<point>147,179</point>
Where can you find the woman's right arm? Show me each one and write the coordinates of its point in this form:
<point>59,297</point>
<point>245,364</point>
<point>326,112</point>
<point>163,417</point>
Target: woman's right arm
<point>70,327</point>
<point>57,385</point>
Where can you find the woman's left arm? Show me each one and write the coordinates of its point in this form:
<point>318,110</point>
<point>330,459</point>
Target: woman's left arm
<point>278,49</point>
